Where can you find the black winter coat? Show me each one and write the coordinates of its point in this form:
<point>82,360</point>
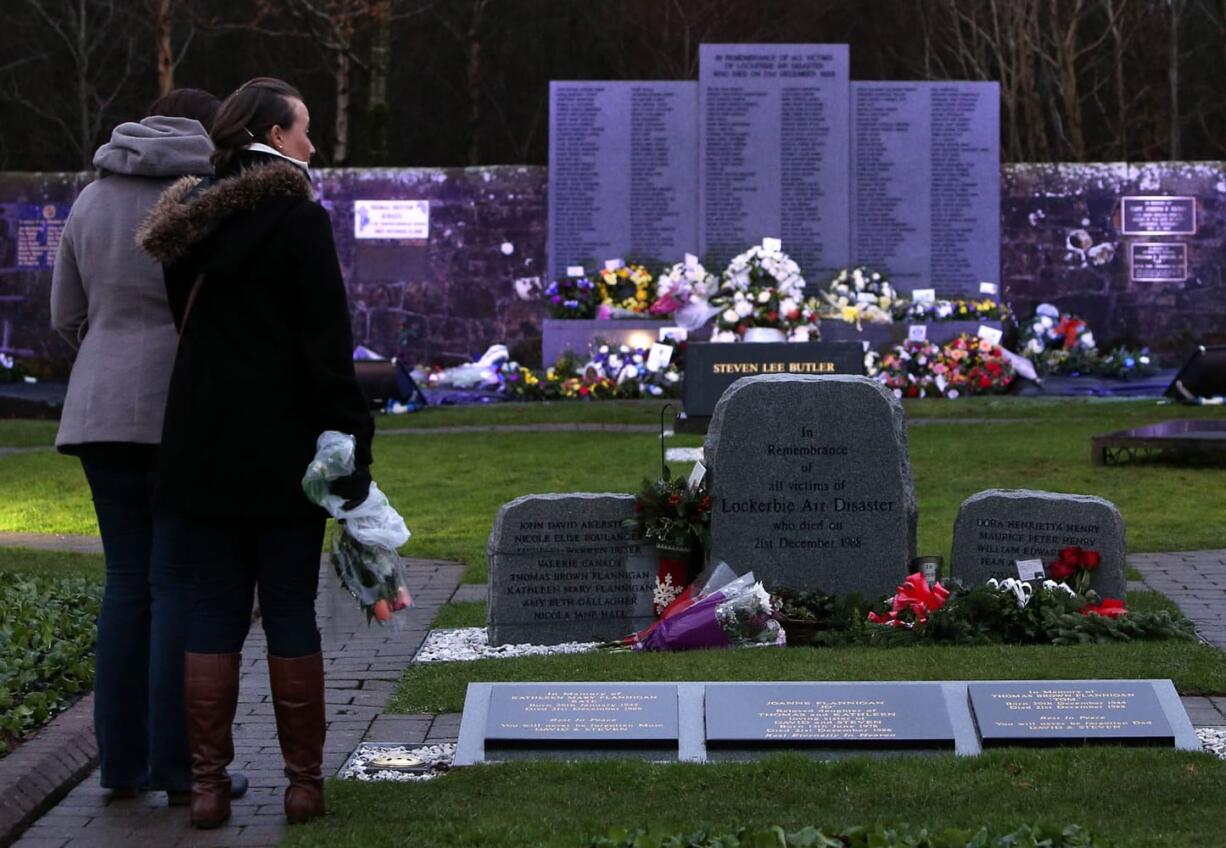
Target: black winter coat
<point>265,357</point>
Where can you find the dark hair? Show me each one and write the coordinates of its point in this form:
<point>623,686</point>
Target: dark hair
<point>249,113</point>
<point>186,103</point>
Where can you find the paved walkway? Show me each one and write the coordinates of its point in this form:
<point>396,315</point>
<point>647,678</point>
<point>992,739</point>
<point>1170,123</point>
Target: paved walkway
<point>362,666</point>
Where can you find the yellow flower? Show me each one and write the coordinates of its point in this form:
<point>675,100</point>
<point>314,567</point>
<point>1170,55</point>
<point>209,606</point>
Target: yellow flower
<point>850,314</point>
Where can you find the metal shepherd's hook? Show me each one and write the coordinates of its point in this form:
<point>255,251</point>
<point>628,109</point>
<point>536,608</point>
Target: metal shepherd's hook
<point>665,474</point>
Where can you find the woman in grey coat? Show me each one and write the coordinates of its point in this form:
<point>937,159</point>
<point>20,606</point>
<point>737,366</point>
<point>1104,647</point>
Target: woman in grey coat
<point>109,301</point>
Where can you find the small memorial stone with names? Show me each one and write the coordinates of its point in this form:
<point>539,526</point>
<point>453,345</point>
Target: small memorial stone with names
<point>562,569</point>
<point>1072,712</point>
<point>811,483</point>
<point>795,715</point>
<point>545,715</point>
<point>997,527</point>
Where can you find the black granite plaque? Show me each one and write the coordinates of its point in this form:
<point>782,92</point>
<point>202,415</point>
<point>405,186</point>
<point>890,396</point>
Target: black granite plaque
<point>926,183</point>
<point>712,367</point>
<point>1077,711</point>
<point>622,173</point>
<point>1159,261</point>
<point>773,152</point>
<point>1153,215</point>
<point>551,715</point>
<point>828,715</point>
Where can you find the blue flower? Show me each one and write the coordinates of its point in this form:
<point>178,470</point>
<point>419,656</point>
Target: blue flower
<point>1129,362</point>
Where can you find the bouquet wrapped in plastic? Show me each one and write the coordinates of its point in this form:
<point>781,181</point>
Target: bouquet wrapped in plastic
<point>366,537</point>
<point>738,613</point>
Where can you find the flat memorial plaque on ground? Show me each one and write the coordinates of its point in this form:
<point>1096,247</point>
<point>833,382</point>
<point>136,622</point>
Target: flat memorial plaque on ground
<point>538,716</point>
<point>895,716</point>
<point>997,527</point>
<point>563,569</point>
<point>1072,712</point>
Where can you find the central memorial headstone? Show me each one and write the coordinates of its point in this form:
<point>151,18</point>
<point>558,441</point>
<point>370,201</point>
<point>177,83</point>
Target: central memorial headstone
<point>562,569</point>
<point>811,483</point>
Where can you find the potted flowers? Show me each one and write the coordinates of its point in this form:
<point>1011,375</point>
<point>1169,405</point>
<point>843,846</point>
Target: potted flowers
<point>677,518</point>
<point>761,298</point>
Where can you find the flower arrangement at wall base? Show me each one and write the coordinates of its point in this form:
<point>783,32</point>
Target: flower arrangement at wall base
<point>626,290</point>
<point>572,297</point>
<point>858,295</point>
<point>932,311</point>
<point>967,365</point>
<point>614,372</point>
<point>976,366</point>
<point>913,369</point>
<point>1062,344</point>
<point>683,291</point>
<point>763,289</point>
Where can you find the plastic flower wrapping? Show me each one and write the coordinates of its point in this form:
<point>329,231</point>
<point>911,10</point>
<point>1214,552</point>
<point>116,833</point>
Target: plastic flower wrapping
<point>625,289</point>
<point>684,291</point>
<point>365,539</point>
<point>860,294</point>
<point>738,613</point>
<point>763,288</point>
<point>572,297</point>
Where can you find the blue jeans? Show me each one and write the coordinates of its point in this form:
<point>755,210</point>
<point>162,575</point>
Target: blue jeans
<point>229,559</point>
<point>139,714</point>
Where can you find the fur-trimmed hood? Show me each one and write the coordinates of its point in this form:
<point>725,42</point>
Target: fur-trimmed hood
<point>191,209</point>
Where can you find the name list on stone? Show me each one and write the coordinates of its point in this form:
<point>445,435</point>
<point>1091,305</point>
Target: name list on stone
<point>622,172</point>
<point>1002,541</point>
<point>773,151</point>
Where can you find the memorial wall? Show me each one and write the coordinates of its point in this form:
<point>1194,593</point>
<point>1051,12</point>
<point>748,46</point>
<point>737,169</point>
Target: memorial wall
<point>474,278</point>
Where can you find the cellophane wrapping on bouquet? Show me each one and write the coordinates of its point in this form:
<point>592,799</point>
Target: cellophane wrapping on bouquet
<point>365,539</point>
<point>739,613</point>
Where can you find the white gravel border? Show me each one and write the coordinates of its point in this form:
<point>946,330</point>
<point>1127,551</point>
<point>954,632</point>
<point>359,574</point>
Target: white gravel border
<point>1213,739</point>
<point>465,644</point>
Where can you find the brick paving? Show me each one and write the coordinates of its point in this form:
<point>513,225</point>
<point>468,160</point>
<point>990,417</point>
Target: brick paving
<point>362,665</point>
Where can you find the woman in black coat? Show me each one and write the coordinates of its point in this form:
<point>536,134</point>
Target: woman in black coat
<point>264,365</point>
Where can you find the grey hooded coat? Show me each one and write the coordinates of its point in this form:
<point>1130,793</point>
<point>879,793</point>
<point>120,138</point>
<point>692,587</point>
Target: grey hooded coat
<point>108,298</point>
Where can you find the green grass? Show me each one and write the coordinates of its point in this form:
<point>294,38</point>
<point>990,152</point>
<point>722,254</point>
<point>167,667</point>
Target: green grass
<point>31,562</point>
<point>450,486</point>
<point>22,433</point>
<point>468,614</point>
<point>1196,669</point>
<point>1140,798</point>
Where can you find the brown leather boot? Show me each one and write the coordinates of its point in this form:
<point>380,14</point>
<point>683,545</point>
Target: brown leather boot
<point>212,697</point>
<point>298,701</point>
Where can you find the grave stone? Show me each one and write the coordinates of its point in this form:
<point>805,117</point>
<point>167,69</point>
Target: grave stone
<point>562,568</point>
<point>811,483</point>
<point>576,717</point>
<point>997,527</point>
<point>898,716</point>
<point>1070,712</point>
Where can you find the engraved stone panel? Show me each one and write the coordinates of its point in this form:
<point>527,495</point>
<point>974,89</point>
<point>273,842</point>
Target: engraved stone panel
<point>1072,712</point>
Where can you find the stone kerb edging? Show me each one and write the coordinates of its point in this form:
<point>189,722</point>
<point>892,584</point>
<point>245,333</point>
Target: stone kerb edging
<point>39,773</point>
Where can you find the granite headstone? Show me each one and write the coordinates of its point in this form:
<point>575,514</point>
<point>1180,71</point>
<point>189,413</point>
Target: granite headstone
<point>773,152</point>
<point>997,527</point>
<point>562,568</point>
<point>811,483</point>
<point>623,181</point>
<point>1069,712</point>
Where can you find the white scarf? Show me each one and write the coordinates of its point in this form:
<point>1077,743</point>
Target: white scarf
<point>258,147</point>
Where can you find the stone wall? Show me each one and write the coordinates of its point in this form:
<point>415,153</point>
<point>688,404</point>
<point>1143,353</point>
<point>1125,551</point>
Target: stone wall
<point>475,281</point>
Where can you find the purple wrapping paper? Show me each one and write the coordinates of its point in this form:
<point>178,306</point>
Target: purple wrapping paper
<point>696,627</point>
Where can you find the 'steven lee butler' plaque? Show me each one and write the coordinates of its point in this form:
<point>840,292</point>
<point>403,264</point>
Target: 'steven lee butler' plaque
<point>543,715</point>
<point>828,715</point>
<point>1072,712</point>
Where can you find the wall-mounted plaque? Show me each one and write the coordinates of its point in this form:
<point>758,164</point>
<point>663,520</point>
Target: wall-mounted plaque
<point>1157,215</point>
<point>623,179</point>
<point>796,715</point>
<point>773,152</point>
<point>391,219</point>
<point>1072,712</point>
<point>1159,261</point>
<point>544,715</point>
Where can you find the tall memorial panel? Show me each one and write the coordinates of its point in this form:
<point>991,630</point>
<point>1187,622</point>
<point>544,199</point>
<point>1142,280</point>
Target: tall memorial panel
<point>773,158</point>
<point>622,172</point>
<point>926,183</point>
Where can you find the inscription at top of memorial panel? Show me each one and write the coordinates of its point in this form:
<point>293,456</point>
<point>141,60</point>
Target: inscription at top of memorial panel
<point>540,714</point>
<point>622,172</point>
<point>773,152</point>
<point>1072,711</point>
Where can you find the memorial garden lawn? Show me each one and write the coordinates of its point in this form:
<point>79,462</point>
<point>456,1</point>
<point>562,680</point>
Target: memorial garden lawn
<point>449,486</point>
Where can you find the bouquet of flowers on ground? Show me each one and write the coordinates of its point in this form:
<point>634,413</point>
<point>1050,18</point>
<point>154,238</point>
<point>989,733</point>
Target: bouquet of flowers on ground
<point>913,369</point>
<point>1076,564</point>
<point>739,612</point>
<point>626,289</point>
<point>762,288</point>
<point>633,372</point>
<point>1058,343</point>
<point>572,297</point>
<point>684,291</point>
<point>366,537</point>
<point>860,294</point>
<point>931,311</point>
<point>975,366</point>
<point>1125,363</point>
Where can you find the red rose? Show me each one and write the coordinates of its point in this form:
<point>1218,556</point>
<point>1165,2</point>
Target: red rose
<point>794,314</point>
<point>674,499</point>
<point>993,369</point>
<point>1090,560</point>
<point>1071,556</point>
<point>1060,570</point>
<point>912,391</point>
<point>772,316</point>
<point>985,382</point>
